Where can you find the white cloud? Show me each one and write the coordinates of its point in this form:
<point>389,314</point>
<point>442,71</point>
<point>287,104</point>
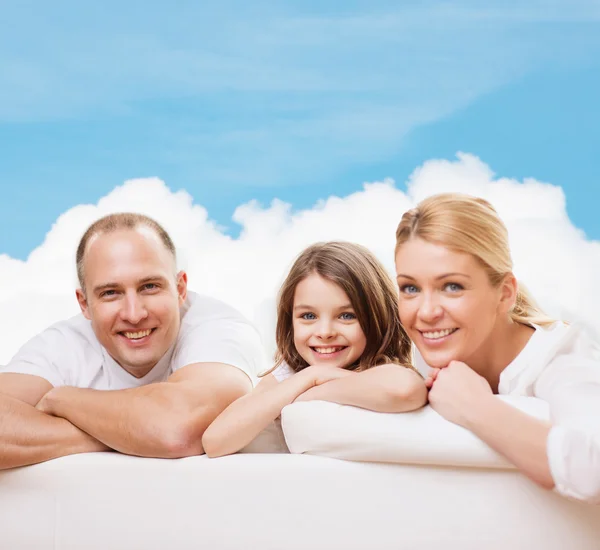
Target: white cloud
<point>554,258</point>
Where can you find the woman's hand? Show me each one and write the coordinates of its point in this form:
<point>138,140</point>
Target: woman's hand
<point>431,377</point>
<point>458,392</point>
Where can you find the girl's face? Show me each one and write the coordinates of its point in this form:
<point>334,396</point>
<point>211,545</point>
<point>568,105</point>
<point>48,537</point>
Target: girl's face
<point>447,304</point>
<point>326,330</point>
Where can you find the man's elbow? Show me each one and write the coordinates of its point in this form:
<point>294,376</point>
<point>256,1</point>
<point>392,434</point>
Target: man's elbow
<point>178,438</point>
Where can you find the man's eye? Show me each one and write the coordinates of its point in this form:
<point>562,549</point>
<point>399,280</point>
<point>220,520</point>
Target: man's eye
<point>308,316</point>
<point>409,289</point>
<point>108,293</point>
<point>150,286</point>
<point>347,316</point>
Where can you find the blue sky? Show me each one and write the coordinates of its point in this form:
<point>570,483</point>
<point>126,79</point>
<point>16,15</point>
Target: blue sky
<point>235,101</point>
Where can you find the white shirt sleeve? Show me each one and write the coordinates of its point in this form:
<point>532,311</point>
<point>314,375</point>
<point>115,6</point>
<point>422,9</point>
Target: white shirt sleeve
<point>220,336</point>
<point>571,386</point>
<point>42,356</point>
<point>283,372</point>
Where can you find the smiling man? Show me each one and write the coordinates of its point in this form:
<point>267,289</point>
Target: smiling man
<point>142,370</point>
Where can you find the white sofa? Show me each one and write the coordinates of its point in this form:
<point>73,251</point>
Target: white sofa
<point>426,499</point>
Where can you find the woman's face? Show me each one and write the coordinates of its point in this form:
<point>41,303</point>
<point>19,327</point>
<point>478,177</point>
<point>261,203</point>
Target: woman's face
<point>446,303</point>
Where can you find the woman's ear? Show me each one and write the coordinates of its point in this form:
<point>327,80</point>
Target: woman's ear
<point>509,289</point>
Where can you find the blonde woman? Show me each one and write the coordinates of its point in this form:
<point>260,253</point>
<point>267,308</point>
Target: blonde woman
<point>338,339</point>
<point>482,334</point>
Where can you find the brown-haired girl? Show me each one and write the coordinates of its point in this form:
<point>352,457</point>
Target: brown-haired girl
<point>338,339</point>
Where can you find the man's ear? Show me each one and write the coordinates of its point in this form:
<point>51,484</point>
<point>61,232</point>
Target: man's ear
<point>82,300</point>
<point>182,286</point>
<point>508,293</point>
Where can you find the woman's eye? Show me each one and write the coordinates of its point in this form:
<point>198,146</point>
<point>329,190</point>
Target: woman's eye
<point>347,316</point>
<point>308,316</point>
<point>409,289</point>
<point>453,287</point>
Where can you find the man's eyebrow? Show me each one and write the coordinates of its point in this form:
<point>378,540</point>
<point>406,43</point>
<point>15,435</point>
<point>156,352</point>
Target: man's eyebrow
<point>151,278</point>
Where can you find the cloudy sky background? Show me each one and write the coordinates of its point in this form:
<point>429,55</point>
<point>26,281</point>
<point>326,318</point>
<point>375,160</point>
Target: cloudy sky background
<point>250,129</point>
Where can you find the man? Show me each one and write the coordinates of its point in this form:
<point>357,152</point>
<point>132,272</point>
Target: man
<point>143,370</point>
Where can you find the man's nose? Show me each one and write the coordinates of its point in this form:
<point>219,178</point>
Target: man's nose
<point>134,309</point>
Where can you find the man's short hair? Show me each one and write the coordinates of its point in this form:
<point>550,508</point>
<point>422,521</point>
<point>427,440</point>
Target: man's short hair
<point>116,222</point>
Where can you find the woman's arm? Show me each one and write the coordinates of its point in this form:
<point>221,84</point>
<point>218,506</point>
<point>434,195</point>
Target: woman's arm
<point>245,418</point>
<point>385,388</point>
<point>461,396</point>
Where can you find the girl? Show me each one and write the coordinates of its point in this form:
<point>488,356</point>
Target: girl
<point>481,334</point>
<point>338,339</point>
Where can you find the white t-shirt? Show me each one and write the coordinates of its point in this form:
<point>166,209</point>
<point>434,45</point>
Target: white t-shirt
<point>69,354</point>
<point>561,365</point>
<point>283,372</point>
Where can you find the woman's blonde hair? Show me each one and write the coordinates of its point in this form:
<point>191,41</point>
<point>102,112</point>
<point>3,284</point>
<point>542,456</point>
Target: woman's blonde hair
<point>371,292</point>
<point>470,225</point>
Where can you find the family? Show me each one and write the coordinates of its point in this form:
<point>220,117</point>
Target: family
<point>154,370</point>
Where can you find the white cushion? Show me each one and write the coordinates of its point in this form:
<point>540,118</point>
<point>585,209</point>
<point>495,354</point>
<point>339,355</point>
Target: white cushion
<point>107,501</point>
<point>418,437</point>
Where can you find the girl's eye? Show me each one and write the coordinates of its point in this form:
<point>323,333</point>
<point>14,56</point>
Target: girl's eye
<point>347,316</point>
<point>308,316</point>
<point>409,289</point>
<point>453,287</point>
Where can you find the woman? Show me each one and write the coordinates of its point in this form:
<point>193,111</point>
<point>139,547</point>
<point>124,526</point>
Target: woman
<point>482,334</point>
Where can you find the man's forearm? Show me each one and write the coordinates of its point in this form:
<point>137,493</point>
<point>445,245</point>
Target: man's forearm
<point>387,388</point>
<point>28,436</point>
<point>142,421</point>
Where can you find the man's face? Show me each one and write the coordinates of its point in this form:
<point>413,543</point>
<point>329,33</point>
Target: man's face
<point>132,296</point>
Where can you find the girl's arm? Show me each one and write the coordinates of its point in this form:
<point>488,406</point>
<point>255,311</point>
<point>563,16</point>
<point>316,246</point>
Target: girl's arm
<point>245,418</point>
<point>386,388</point>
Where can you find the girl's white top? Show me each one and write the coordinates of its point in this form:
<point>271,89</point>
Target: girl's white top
<point>561,365</point>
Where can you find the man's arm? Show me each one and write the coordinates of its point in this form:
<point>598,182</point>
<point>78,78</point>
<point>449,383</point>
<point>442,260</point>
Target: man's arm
<point>163,420</point>
<point>28,436</point>
<point>386,388</point>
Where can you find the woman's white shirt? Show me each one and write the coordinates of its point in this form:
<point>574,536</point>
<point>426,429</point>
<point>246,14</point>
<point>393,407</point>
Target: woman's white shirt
<point>561,365</point>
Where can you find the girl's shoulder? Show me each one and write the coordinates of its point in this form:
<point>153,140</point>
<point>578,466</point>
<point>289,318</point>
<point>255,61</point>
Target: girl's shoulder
<point>282,372</point>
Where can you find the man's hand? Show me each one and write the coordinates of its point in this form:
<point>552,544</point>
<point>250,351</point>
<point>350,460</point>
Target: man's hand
<point>458,392</point>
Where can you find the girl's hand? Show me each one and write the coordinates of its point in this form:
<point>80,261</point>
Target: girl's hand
<point>458,392</point>
<point>320,374</point>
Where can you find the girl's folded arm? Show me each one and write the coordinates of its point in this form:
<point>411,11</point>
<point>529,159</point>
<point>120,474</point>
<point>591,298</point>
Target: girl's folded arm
<point>386,388</point>
<point>246,417</point>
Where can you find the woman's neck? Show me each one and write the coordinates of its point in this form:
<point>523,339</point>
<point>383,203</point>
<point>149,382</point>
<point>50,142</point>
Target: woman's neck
<point>504,344</point>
